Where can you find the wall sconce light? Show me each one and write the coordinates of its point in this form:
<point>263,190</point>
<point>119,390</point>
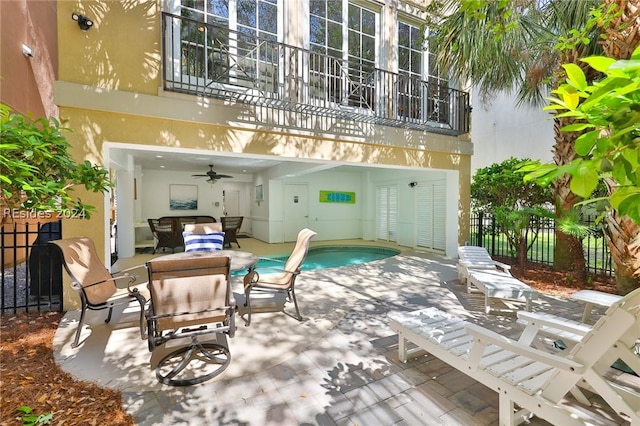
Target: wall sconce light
<point>413,184</point>
<point>83,22</point>
<point>26,51</point>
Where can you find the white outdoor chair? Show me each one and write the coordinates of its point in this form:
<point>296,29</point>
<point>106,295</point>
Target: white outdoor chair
<point>474,257</point>
<point>529,381</point>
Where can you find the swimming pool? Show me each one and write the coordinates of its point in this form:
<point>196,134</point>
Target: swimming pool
<point>331,257</point>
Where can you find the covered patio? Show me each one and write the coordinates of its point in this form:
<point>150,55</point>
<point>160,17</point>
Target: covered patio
<point>338,367</point>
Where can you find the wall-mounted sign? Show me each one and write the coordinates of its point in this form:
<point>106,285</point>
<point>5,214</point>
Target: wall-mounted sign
<point>337,197</point>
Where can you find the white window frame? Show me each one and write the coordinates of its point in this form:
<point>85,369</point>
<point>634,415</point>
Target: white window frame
<point>175,7</point>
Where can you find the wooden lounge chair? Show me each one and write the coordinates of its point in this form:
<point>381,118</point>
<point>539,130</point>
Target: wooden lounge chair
<point>529,381</point>
<point>281,280</point>
<point>190,304</point>
<point>98,289</point>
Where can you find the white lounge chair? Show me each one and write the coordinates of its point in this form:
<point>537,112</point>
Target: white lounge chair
<point>496,285</point>
<point>481,273</point>
<point>474,257</point>
<point>529,381</point>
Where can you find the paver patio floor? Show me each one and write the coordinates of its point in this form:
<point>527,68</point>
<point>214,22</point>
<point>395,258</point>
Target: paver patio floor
<point>337,367</point>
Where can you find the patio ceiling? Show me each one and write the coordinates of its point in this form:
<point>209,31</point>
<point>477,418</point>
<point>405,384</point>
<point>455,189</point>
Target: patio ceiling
<point>199,161</point>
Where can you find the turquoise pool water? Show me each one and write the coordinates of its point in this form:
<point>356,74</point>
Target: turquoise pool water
<point>331,257</point>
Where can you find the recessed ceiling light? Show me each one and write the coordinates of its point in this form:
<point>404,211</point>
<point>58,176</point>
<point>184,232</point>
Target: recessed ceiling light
<point>244,171</point>
<point>158,156</point>
<point>162,167</point>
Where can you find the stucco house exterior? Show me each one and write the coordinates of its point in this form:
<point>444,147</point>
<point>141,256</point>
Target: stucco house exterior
<point>327,114</point>
<point>502,129</point>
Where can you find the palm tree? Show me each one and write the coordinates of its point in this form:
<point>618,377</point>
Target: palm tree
<point>511,47</point>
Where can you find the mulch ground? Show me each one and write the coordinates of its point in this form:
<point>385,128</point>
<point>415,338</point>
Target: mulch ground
<point>30,377</point>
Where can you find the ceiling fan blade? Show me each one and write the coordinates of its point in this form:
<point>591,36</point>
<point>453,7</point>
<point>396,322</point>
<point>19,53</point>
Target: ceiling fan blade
<point>212,175</point>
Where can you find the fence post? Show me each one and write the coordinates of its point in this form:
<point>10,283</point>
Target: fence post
<point>480,229</point>
<point>493,235</point>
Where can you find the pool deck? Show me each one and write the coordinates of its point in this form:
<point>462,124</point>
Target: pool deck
<point>337,367</point>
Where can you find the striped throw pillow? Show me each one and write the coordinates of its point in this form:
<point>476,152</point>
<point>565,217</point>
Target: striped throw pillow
<point>203,242</point>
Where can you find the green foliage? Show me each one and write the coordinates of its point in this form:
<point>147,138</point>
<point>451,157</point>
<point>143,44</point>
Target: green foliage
<point>508,45</point>
<point>608,117</point>
<point>502,185</point>
<point>25,413</point>
<point>500,189</point>
<point>36,169</point>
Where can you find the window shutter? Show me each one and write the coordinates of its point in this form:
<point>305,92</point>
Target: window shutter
<point>431,219</point>
<point>387,198</point>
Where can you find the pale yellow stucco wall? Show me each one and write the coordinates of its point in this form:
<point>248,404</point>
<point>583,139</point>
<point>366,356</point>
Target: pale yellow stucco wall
<point>109,91</point>
<point>122,49</point>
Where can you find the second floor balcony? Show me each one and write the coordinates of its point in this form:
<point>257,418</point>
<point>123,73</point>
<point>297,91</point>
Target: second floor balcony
<point>210,60</point>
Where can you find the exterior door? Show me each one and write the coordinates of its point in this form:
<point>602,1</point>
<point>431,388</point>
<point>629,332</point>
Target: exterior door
<point>231,199</point>
<point>232,202</point>
<point>296,210</point>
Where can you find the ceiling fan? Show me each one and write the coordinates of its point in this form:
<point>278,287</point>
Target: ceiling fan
<point>212,175</point>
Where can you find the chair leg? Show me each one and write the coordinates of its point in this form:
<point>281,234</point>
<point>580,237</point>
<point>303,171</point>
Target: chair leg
<point>292,295</point>
<point>248,280</point>
<point>170,367</point>
<point>247,304</point>
<point>109,315</point>
<point>142,302</point>
<point>76,340</point>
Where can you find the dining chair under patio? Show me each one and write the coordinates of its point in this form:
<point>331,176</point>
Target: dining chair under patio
<point>281,280</point>
<point>97,287</point>
<point>230,226</point>
<point>191,311</point>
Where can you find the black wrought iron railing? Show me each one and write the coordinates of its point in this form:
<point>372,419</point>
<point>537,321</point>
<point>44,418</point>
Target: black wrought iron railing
<point>209,60</point>
<point>31,277</point>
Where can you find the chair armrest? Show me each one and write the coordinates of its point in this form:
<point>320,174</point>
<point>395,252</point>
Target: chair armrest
<point>553,321</point>
<point>78,287</point>
<point>483,338</point>
<point>503,266</point>
<point>596,297</point>
<point>278,270</point>
<point>130,280</point>
<point>125,273</point>
<point>549,326</point>
<point>270,259</point>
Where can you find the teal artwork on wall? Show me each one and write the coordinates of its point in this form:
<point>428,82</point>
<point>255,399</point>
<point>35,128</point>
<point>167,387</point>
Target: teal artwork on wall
<point>343,197</point>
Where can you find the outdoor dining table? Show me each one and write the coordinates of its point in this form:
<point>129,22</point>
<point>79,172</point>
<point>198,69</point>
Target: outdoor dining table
<point>239,260</point>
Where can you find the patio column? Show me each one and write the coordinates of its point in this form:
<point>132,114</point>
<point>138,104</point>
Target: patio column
<point>126,210</point>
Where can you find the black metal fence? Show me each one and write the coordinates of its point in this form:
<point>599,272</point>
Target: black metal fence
<point>31,268</point>
<point>485,232</point>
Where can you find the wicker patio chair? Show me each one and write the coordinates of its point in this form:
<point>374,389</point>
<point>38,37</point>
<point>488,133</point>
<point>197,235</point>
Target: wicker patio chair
<point>230,226</point>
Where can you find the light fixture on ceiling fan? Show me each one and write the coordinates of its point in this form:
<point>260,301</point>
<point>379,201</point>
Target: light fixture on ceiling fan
<point>212,175</point>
